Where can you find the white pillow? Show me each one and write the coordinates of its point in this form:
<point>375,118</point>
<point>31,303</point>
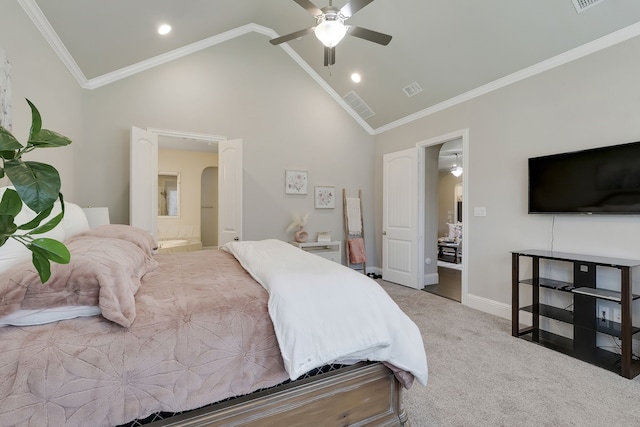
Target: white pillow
<point>74,221</point>
<point>48,315</point>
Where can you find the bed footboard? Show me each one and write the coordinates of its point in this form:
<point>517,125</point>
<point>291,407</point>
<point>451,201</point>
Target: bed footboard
<point>359,395</point>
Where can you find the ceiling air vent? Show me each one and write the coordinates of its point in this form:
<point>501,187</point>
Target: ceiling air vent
<point>358,105</point>
<point>582,5</point>
<point>413,89</point>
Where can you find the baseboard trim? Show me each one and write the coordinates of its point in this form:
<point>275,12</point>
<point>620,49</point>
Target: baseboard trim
<point>473,301</point>
<point>489,306</point>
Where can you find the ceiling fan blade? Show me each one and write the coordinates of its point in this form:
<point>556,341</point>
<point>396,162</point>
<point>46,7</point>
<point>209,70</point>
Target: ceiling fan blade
<point>310,7</point>
<point>353,6</point>
<point>372,36</point>
<point>329,56</point>
<point>291,36</point>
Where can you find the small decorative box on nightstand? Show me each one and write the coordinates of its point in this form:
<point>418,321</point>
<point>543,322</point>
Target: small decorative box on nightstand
<point>329,250</point>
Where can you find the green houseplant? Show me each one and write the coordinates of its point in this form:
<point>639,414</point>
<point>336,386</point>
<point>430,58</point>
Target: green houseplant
<point>37,185</point>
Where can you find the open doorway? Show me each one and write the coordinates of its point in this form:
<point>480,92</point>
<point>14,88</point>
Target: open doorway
<point>450,202</point>
<point>444,214</point>
<point>144,182</point>
<point>187,160</point>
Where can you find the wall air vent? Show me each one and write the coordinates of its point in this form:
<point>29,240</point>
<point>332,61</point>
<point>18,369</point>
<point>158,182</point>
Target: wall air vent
<point>413,89</point>
<point>582,5</point>
<point>358,105</point>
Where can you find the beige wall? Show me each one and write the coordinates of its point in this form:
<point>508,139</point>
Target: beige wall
<point>189,165</point>
<point>244,88</point>
<point>593,101</point>
<point>38,74</point>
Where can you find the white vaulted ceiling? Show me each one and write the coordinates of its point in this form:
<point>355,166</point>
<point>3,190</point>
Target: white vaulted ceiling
<point>453,49</point>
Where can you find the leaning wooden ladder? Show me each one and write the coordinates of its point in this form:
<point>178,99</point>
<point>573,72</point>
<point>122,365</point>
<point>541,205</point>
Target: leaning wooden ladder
<point>354,231</point>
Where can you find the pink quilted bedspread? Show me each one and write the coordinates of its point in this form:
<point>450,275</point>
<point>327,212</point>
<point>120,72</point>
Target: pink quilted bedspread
<point>202,334</point>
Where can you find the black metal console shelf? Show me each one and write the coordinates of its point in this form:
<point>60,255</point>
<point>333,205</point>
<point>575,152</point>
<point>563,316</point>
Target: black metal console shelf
<point>585,293</point>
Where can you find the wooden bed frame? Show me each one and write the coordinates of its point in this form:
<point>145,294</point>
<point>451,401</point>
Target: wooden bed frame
<point>364,394</point>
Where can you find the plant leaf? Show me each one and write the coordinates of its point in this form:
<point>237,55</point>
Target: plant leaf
<point>47,226</point>
<point>7,141</point>
<point>7,227</point>
<point>48,138</point>
<point>37,220</point>
<point>36,120</point>
<point>10,203</point>
<point>52,249</point>
<point>41,263</point>
<point>37,184</point>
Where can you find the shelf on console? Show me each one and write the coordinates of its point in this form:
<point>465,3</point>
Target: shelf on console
<point>597,356</point>
<point>563,256</point>
<point>552,312</point>
<point>602,293</point>
<point>608,327</point>
<point>550,283</point>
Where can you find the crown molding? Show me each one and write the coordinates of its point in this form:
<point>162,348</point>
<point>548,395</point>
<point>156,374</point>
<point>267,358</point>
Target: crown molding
<point>315,76</point>
<point>603,42</point>
<point>41,22</point>
<point>150,63</point>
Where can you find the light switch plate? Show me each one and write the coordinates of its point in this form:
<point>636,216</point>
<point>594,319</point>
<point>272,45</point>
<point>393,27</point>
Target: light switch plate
<point>481,211</point>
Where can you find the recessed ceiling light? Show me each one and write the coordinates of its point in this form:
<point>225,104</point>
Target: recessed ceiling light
<point>164,29</point>
<point>356,77</point>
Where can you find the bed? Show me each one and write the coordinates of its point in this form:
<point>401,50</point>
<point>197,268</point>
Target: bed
<point>175,333</point>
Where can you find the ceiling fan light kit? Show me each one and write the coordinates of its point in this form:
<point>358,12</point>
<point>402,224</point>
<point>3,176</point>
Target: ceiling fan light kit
<point>456,169</point>
<point>330,28</point>
<point>330,32</point>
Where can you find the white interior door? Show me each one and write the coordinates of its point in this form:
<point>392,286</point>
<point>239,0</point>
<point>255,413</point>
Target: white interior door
<point>229,191</point>
<point>400,217</point>
<point>143,187</point>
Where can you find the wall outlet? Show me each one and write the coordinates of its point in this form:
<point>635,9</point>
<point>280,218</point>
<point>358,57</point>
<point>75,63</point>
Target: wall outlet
<point>603,313</point>
<point>617,315</point>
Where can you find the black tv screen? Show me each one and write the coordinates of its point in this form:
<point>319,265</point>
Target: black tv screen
<point>602,180</point>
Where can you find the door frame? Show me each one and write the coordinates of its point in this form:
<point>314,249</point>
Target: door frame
<point>438,140</point>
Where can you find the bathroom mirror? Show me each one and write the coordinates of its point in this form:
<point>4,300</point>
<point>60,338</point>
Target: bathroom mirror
<point>169,194</point>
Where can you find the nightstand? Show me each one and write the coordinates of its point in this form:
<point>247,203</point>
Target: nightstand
<point>329,250</point>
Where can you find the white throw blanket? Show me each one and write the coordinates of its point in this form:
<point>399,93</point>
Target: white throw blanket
<point>354,217</point>
<point>324,312</point>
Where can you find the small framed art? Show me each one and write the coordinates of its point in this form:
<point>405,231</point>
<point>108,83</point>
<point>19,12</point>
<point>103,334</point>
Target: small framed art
<point>295,182</point>
<point>325,197</point>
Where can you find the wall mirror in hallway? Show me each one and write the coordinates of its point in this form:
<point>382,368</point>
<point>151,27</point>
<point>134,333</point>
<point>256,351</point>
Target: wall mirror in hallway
<point>168,194</point>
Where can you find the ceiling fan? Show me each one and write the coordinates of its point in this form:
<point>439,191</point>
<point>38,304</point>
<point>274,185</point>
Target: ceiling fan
<point>330,27</point>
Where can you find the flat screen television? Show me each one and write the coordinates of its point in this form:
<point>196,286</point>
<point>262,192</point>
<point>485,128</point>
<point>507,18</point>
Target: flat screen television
<point>603,180</point>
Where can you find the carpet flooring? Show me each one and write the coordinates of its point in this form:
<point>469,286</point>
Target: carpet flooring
<point>479,375</point>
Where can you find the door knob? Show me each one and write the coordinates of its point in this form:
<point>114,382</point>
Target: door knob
<point>384,233</point>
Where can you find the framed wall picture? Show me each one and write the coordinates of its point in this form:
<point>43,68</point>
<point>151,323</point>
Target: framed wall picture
<point>295,182</point>
<point>325,197</point>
